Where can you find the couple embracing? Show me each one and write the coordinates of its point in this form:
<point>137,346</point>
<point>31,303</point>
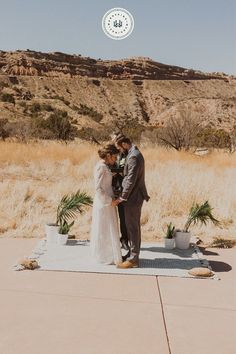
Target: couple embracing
<point>105,233</point>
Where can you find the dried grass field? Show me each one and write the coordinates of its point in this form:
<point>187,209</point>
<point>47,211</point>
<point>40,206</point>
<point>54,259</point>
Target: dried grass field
<point>34,176</point>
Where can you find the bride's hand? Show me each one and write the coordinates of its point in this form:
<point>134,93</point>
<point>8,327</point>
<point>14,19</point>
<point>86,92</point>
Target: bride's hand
<point>114,202</point>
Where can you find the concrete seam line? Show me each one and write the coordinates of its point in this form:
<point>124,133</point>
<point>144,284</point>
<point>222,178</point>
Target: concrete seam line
<point>163,315</point>
<point>41,293</point>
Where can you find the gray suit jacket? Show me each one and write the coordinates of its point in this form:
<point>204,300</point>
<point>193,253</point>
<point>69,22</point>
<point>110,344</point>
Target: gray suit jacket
<point>134,188</point>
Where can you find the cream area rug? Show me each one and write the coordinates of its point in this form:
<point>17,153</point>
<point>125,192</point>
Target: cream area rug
<point>154,259</point>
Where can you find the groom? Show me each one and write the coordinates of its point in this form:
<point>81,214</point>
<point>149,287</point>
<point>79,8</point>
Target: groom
<point>117,180</point>
<point>133,194</point>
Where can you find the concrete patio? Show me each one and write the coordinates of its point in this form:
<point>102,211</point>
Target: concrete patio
<point>79,313</point>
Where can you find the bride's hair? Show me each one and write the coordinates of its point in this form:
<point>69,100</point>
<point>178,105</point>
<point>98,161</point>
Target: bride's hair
<point>107,149</point>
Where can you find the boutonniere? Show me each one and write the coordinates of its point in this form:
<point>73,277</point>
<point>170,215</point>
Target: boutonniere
<point>122,162</point>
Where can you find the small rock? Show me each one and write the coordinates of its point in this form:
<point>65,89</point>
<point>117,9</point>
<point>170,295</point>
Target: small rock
<point>29,264</point>
<point>200,272</point>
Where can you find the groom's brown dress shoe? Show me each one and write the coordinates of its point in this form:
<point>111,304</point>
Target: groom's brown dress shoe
<point>128,264</point>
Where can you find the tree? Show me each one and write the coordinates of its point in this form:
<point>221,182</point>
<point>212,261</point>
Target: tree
<point>180,131</point>
<point>4,133</point>
<point>57,126</point>
<point>129,126</point>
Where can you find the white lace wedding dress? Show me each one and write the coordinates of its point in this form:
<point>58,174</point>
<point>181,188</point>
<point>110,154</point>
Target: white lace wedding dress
<point>104,238</point>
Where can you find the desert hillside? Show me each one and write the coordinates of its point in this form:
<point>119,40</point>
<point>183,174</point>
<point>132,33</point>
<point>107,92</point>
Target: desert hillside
<point>42,94</point>
<point>96,93</point>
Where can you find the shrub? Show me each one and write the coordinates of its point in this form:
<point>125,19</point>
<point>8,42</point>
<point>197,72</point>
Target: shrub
<point>4,133</point>
<point>96,82</point>
<point>3,85</point>
<point>13,80</point>
<point>180,131</point>
<point>138,82</point>
<point>92,135</point>
<point>23,104</point>
<point>232,140</point>
<point>134,132</point>
<point>7,97</point>
<point>35,108</point>
<point>213,138</point>
<point>89,111</point>
<point>57,126</point>
<point>129,126</point>
<point>61,98</point>
<point>21,130</point>
<point>47,107</point>
<point>27,96</point>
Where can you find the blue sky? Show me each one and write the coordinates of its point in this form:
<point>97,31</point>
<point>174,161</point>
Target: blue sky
<point>197,34</point>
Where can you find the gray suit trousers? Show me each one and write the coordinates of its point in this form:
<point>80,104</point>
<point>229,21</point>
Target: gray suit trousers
<point>132,220</point>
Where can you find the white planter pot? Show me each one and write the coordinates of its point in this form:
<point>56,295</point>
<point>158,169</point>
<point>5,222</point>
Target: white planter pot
<point>62,239</point>
<point>169,243</point>
<point>182,240</point>
<point>51,233</point>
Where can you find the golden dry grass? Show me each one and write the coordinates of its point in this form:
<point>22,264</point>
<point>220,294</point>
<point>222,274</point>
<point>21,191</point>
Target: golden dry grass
<point>34,176</point>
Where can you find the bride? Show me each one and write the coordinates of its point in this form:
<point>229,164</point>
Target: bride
<point>105,244</point>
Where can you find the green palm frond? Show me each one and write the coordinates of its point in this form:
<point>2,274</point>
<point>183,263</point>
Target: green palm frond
<point>200,213</point>
<point>71,205</point>
<point>65,227</point>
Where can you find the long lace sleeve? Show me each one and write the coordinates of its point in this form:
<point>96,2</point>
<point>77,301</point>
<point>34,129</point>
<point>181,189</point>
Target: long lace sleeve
<point>99,176</point>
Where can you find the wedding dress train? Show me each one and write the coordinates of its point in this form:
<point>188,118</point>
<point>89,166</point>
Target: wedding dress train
<point>105,243</point>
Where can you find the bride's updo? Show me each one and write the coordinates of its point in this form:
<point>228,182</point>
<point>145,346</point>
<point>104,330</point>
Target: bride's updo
<point>107,149</point>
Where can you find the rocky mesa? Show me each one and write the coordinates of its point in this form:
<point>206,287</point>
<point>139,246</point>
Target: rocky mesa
<point>57,64</point>
<point>98,93</point>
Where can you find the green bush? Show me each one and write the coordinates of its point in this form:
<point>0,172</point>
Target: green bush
<point>213,138</point>
<point>92,135</point>
<point>61,98</point>
<point>129,126</point>
<point>7,97</point>
<point>57,126</point>
<point>4,133</point>
<point>47,107</point>
<point>35,107</point>
<point>89,111</point>
<point>23,104</point>
<point>3,85</point>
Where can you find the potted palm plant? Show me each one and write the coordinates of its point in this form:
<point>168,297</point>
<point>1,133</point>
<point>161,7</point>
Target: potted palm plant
<point>63,232</point>
<point>68,208</point>
<point>170,236</point>
<point>197,214</point>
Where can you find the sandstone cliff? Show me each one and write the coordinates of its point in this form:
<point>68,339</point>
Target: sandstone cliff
<point>58,64</point>
<point>148,91</point>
